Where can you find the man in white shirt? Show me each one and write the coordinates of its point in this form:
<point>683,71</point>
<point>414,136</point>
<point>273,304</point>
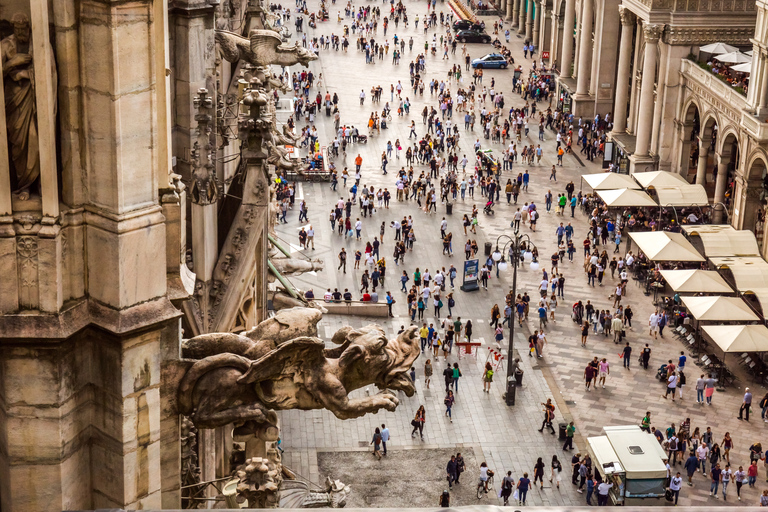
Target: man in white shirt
<point>702,454</point>
<point>653,323</point>
<point>543,287</point>
<point>675,484</point>
<point>602,493</point>
<point>311,237</point>
<point>328,296</point>
<point>671,385</point>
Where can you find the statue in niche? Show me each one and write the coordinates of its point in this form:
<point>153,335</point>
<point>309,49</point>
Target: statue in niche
<point>20,104</point>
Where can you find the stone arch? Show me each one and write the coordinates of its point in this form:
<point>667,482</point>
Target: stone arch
<point>749,195</point>
<point>728,151</point>
<point>689,132</point>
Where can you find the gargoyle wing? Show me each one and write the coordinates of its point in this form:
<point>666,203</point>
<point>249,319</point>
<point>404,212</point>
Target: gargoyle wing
<point>303,351</point>
<point>264,45</point>
<point>228,44</point>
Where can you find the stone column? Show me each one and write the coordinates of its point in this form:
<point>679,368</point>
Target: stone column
<point>529,21</point>
<point>554,42</point>
<point>516,13</point>
<point>5,174</point>
<point>537,28</point>
<point>633,88</point>
<point>701,169</point>
<point>645,108</point>
<point>622,75</point>
<point>542,26</point>
<point>577,39</point>
<point>661,85</point>
<point>585,49</point>
<point>521,18</point>
<point>45,99</point>
<point>510,9</point>
<point>721,181</point>
<point>567,45</point>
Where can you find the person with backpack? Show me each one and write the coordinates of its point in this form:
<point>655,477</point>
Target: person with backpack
<point>549,415</point>
<point>445,499</point>
<point>456,373</point>
<point>487,377</point>
<point>507,484</point>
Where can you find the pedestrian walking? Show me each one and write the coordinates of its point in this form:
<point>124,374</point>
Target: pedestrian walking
<point>570,430</point>
<point>452,471</point>
<point>376,442</point>
<point>556,469</point>
<point>675,484</point>
<point>427,372</point>
<point>522,489</point>
<point>418,422</point>
<point>455,377</point>
<point>745,405</point>
<point>538,473</point>
<point>487,377</point>
<point>448,401</point>
<point>384,437</point>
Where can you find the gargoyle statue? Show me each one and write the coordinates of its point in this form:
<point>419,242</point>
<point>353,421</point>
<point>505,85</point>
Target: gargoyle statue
<point>278,157</point>
<point>298,374</point>
<point>262,48</point>
<point>295,266</point>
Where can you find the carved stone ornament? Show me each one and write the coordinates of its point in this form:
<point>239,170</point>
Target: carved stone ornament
<point>701,36</point>
<point>652,33</point>
<point>237,378</point>
<point>262,48</point>
<point>627,16</point>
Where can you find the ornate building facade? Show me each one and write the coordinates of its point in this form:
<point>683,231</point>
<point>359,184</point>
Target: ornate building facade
<point>669,111</point>
<point>134,200</point>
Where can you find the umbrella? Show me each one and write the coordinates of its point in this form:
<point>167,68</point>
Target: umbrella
<point>733,58</point>
<point>750,52</point>
<point>609,180</point>
<point>717,48</point>
<point>682,195</point>
<point>719,309</point>
<point>739,338</point>
<point>665,246</point>
<point>626,197</point>
<point>745,67</point>
<point>658,179</point>
<point>696,281</point>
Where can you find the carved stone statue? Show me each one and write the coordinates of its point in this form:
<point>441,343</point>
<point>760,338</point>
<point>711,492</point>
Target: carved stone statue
<point>262,48</point>
<point>296,267</point>
<point>278,157</point>
<point>297,494</point>
<point>226,386</point>
<point>20,104</point>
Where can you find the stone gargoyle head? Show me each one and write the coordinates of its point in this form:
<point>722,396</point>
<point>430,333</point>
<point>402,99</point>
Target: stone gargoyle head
<point>368,357</point>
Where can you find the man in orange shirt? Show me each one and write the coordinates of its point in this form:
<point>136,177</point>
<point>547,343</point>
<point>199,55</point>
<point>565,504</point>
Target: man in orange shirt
<point>358,162</point>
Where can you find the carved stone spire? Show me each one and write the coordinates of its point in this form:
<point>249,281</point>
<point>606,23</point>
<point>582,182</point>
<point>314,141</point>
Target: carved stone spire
<point>204,187</point>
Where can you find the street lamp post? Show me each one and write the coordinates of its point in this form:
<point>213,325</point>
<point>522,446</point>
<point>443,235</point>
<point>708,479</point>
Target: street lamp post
<point>514,245</point>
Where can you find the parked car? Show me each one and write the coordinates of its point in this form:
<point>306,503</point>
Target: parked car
<point>468,25</point>
<point>492,60</point>
<point>473,36</point>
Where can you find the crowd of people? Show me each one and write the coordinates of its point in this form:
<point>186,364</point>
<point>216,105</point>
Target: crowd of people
<point>433,170</point>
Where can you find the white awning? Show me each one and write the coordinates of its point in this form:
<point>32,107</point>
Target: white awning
<point>666,246</point>
<point>609,180</point>
<point>657,179</point>
<point>719,309</point>
<point>696,281</point>
<point>733,58</point>
<point>730,243</point>
<point>744,67</point>
<point>749,272</point>
<point>739,338</point>
<point>682,195</point>
<point>626,197</point>
<point>717,48</point>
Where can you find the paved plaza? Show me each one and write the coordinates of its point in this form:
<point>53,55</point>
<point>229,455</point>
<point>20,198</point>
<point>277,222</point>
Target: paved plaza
<point>317,444</point>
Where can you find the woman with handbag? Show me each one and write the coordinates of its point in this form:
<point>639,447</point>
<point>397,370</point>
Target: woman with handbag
<point>418,422</point>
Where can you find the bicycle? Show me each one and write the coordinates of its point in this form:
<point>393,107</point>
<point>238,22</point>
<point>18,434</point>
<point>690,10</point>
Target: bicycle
<point>481,489</point>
